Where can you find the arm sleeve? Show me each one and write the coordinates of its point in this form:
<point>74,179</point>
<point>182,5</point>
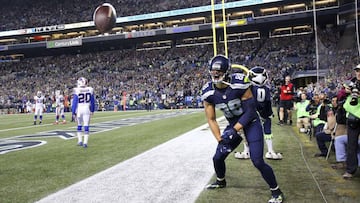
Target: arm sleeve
<point>92,103</point>
<point>249,112</point>
<point>74,104</point>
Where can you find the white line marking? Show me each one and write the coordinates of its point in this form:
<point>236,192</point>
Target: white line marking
<point>175,171</point>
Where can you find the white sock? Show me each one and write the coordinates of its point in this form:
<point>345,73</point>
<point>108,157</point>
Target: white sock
<point>246,147</point>
<point>269,145</point>
<point>79,135</point>
<point>86,138</point>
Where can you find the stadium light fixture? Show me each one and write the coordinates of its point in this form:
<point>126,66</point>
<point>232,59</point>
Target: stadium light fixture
<point>294,6</point>
<point>324,2</point>
<point>241,13</point>
<point>267,10</point>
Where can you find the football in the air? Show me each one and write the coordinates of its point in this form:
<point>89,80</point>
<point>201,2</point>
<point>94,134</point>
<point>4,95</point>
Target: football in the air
<point>104,17</point>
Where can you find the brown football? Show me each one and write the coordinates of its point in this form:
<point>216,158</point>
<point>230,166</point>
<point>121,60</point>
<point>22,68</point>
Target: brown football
<point>104,17</point>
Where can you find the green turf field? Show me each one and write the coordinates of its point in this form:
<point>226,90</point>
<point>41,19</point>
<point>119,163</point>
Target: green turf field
<point>30,174</point>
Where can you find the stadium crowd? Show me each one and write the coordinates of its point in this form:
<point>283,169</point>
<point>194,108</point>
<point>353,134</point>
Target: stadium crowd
<point>37,13</point>
<point>170,77</point>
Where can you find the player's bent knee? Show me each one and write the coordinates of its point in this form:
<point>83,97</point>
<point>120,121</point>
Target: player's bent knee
<point>259,163</point>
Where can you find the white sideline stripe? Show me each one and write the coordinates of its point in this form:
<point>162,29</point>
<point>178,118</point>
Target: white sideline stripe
<point>175,171</point>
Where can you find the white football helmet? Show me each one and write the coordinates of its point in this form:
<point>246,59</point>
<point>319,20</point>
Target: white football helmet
<point>39,93</point>
<point>82,82</point>
<point>258,76</point>
<point>57,92</point>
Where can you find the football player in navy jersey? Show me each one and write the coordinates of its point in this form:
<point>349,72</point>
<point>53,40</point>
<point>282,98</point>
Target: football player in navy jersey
<point>258,77</point>
<point>231,93</point>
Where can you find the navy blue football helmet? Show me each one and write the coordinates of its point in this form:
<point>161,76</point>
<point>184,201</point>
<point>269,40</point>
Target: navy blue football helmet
<point>258,76</point>
<point>219,68</point>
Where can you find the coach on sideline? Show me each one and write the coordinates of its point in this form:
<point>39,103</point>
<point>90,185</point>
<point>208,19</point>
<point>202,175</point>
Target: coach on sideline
<point>286,100</point>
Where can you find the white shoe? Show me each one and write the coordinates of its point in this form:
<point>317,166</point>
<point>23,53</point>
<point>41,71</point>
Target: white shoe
<point>242,155</point>
<point>273,155</point>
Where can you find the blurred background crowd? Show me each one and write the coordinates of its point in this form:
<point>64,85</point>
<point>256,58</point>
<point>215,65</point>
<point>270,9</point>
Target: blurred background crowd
<point>171,78</point>
<point>168,78</point>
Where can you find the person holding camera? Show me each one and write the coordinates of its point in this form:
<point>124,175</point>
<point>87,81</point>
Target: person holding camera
<point>339,135</point>
<point>352,106</point>
<point>316,111</point>
<point>329,127</point>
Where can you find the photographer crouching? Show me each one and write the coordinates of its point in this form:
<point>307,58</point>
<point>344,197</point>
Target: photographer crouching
<point>318,109</point>
<point>352,106</point>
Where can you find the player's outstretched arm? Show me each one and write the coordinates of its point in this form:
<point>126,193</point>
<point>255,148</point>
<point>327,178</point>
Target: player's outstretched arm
<point>211,119</point>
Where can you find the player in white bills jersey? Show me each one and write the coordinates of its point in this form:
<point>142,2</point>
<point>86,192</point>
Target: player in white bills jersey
<point>59,111</point>
<point>83,106</point>
<point>29,106</point>
<point>39,106</point>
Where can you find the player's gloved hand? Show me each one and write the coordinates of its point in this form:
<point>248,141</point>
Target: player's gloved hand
<point>228,135</point>
<point>224,148</point>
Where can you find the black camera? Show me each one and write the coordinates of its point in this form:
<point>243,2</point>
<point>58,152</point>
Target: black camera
<point>312,107</point>
<point>327,101</point>
<point>355,94</point>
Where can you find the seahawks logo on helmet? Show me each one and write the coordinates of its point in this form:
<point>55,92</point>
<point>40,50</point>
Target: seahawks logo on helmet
<point>258,76</point>
<point>219,67</point>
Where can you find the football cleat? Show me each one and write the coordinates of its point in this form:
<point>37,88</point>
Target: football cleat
<point>347,175</point>
<point>40,122</point>
<point>277,199</point>
<point>273,155</point>
<point>242,155</point>
<point>80,144</point>
<point>34,122</point>
<point>217,184</point>
<point>85,146</point>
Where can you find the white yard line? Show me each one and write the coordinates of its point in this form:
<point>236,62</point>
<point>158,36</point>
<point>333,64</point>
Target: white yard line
<point>21,128</point>
<point>175,171</point>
